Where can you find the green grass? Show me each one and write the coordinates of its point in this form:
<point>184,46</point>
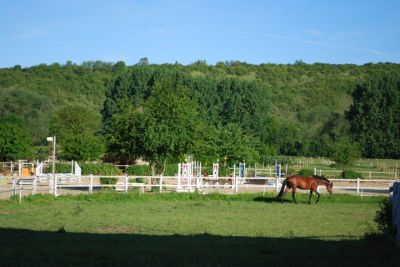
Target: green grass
<point>190,230</point>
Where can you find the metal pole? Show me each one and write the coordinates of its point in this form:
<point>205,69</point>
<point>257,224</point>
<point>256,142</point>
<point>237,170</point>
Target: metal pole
<point>14,184</point>
<point>126,183</point>
<point>20,192</point>
<point>91,184</point>
<point>161,180</point>
<point>54,167</point>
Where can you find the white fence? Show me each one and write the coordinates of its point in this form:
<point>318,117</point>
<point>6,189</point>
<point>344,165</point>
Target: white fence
<point>395,199</point>
<point>14,185</point>
<point>365,174</point>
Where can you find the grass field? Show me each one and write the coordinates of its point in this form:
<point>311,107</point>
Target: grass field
<point>368,168</point>
<point>111,229</point>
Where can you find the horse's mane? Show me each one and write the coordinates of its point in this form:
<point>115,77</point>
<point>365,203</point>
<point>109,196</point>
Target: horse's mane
<point>321,178</point>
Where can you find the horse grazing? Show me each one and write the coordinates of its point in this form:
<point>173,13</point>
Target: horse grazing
<point>304,182</point>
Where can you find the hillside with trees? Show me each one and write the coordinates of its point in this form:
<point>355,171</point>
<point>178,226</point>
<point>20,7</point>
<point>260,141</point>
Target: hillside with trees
<point>231,110</point>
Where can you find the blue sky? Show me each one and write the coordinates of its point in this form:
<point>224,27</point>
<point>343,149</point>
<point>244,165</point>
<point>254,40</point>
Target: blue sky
<point>166,31</point>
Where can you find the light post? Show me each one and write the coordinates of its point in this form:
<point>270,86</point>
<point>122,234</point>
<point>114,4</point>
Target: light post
<point>53,139</point>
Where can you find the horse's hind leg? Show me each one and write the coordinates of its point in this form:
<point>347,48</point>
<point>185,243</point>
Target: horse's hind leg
<point>293,195</point>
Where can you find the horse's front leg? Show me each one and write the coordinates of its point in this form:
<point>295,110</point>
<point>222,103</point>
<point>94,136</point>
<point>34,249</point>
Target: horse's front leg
<point>309,199</point>
<point>318,197</point>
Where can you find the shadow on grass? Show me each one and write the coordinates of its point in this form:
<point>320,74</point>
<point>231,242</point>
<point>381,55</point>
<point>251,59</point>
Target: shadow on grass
<point>270,199</point>
<point>42,248</point>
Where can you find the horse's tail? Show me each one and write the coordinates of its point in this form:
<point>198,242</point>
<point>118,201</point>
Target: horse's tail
<point>284,184</point>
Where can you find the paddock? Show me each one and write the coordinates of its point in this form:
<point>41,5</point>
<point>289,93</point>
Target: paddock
<point>31,185</point>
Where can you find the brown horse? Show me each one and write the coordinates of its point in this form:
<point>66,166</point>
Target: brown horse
<point>304,182</point>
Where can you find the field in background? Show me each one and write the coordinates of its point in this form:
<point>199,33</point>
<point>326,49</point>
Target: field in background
<point>190,229</point>
<point>368,168</point>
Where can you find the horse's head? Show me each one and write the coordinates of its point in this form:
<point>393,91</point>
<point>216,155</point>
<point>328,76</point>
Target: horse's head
<point>329,187</point>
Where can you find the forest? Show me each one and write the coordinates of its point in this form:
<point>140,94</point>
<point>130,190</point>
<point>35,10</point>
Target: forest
<point>230,111</point>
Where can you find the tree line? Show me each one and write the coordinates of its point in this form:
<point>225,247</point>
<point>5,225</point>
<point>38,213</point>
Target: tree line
<point>231,111</point>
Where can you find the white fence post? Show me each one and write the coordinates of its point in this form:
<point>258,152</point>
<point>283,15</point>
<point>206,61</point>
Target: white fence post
<point>161,181</point>
<point>51,185</point>
<point>126,183</point>
<point>34,182</point>
<point>20,192</point>
<point>55,185</point>
<point>91,184</point>
<point>358,186</point>
<point>179,176</point>
<point>234,183</point>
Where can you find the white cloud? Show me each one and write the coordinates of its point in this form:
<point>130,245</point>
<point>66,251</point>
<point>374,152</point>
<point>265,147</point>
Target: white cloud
<point>314,32</point>
<point>322,44</point>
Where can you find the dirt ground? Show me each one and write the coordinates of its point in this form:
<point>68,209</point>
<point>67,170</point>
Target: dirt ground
<point>205,186</point>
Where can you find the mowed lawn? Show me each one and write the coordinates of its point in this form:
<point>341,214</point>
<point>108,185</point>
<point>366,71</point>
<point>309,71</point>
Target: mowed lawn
<point>111,229</point>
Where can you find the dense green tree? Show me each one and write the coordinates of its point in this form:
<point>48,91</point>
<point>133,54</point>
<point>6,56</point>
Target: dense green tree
<point>336,128</point>
<point>227,144</point>
<point>344,152</point>
<point>302,99</point>
<point>76,128</point>
<point>234,145</point>
<point>143,62</point>
<point>375,116</point>
<point>164,126</point>
<point>28,106</point>
<point>15,143</point>
<point>80,147</point>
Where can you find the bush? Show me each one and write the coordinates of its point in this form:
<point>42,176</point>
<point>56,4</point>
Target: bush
<point>99,169</point>
<point>306,172</point>
<point>107,180</point>
<point>350,174</point>
<point>171,169</point>
<point>383,218</point>
<point>139,170</point>
<point>137,180</point>
<point>60,168</point>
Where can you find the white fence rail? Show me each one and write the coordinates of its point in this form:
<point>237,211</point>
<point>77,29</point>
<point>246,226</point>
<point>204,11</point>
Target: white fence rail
<point>14,185</point>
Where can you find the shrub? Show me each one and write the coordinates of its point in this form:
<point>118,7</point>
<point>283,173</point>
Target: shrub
<point>291,171</point>
<point>60,168</point>
<point>108,180</point>
<point>139,170</point>
<point>283,160</point>
<point>99,169</point>
<point>306,172</point>
<point>171,169</point>
<point>137,180</point>
<point>383,218</point>
<point>350,174</point>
